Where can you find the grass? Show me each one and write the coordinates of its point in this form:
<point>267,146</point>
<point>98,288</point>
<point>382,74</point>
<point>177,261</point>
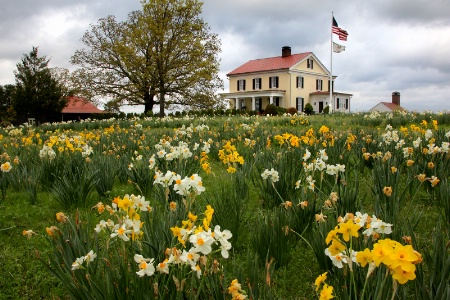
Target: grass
<point>24,276</point>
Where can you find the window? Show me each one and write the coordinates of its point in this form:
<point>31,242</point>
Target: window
<point>277,101</point>
<point>241,85</point>
<point>310,63</point>
<point>341,104</point>
<point>300,82</point>
<point>257,83</point>
<point>242,104</point>
<point>258,104</point>
<point>273,82</point>
<point>319,84</point>
<point>299,104</point>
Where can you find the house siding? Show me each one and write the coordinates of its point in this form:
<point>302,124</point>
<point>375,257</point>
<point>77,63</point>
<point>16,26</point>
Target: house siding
<point>287,88</point>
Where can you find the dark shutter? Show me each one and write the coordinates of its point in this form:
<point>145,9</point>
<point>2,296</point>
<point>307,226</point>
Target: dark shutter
<point>276,81</point>
<point>303,83</point>
<point>346,103</point>
<point>238,85</point>
<point>298,77</point>
<point>270,82</point>
<point>260,83</point>
<point>244,85</point>
<point>337,103</point>
<point>254,83</point>
<point>317,84</point>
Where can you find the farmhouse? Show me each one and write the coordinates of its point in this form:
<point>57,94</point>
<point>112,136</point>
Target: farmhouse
<point>389,106</point>
<point>289,80</point>
<point>78,108</point>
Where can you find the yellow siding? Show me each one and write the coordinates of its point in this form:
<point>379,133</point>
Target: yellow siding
<point>287,81</point>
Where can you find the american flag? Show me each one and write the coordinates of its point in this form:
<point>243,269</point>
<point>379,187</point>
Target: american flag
<point>340,32</point>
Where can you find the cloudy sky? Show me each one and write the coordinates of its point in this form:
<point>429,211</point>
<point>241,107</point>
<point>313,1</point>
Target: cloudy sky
<point>393,45</point>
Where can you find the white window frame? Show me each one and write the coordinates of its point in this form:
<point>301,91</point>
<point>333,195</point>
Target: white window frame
<point>300,82</point>
<point>273,81</point>
<point>241,83</point>
<point>319,84</point>
<point>257,86</point>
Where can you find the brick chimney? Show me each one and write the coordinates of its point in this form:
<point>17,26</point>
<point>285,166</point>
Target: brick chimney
<point>396,98</point>
<point>285,51</point>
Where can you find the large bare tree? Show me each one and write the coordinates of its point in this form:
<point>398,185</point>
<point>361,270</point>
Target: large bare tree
<point>162,54</point>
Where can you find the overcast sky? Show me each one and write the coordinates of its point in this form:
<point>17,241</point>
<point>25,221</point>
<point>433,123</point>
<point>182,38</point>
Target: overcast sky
<point>393,45</point>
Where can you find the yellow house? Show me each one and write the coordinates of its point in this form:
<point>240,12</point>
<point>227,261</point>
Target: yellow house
<point>289,80</point>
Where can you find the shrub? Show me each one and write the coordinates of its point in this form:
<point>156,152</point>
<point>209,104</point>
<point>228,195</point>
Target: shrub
<point>291,110</point>
<point>308,109</point>
<point>271,110</point>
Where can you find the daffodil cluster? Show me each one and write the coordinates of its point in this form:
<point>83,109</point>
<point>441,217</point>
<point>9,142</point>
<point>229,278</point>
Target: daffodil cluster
<point>201,238</point>
<point>78,263</point>
<point>229,156</point>
<point>271,174</point>
<point>399,259</point>
<point>126,211</point>
<point>236,291</point>
<point>185,187</point>
<point>327,290</point>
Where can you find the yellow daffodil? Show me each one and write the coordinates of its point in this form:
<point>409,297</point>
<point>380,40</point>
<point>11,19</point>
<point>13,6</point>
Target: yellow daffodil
<point>348,229</point>
<point>364,257</point>
<point>326,293</point>
<point>319,280</point>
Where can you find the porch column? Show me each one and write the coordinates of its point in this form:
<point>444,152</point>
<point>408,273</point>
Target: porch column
<point>237,104</point>
<point>271,100</point>
<point>253,104</point>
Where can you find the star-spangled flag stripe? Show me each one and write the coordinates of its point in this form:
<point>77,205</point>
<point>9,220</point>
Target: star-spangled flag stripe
<point>339,31</point>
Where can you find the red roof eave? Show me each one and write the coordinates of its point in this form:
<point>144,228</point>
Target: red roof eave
<point>269,64</point>
<point>78,105</point>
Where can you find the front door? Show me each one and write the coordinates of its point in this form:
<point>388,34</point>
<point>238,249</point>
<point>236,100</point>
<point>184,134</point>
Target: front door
<point>320,106</point>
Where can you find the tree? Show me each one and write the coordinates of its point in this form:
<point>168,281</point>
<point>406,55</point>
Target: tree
<point>163,50</point>
<point>7,112</point>
<point>37,93</point>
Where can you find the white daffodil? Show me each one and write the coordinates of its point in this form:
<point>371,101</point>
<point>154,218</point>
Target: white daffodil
<point>121,232</point>
<point>145,265</point>
<point>222,237</point>
<point>77,263</point>
<point>202,242</point>
<point>90,256</point>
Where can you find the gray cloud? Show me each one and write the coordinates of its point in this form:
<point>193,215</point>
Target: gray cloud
<point>392,45</point>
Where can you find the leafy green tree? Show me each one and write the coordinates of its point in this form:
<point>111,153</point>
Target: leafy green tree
<point>163,54</point>
<point>37,93</point>
<point>7,112</point>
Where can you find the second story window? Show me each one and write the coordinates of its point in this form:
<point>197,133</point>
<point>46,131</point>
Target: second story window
<point>257,83</point>
<point>300,82</point>
<point>273,82</point>
<point>310,63</point>
<point>319,84</point>
<point>241,85</point>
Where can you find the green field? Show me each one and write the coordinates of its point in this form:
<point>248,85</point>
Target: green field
<point>278,184</point>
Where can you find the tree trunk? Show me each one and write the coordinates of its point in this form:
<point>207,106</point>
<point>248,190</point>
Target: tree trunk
<point>149,101</point>
<point>161,104</point>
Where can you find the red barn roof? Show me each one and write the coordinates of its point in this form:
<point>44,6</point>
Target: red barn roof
<point>269,64</point>
<point>393,106</point>
<point>78,105</point>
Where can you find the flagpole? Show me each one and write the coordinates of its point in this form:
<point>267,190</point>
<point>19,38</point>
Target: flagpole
<point>331,66</point>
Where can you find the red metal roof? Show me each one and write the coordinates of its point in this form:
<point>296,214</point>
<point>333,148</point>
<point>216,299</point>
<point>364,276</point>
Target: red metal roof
<point>269,64</point>
<point>393,106</point>
<point>78,105</point>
